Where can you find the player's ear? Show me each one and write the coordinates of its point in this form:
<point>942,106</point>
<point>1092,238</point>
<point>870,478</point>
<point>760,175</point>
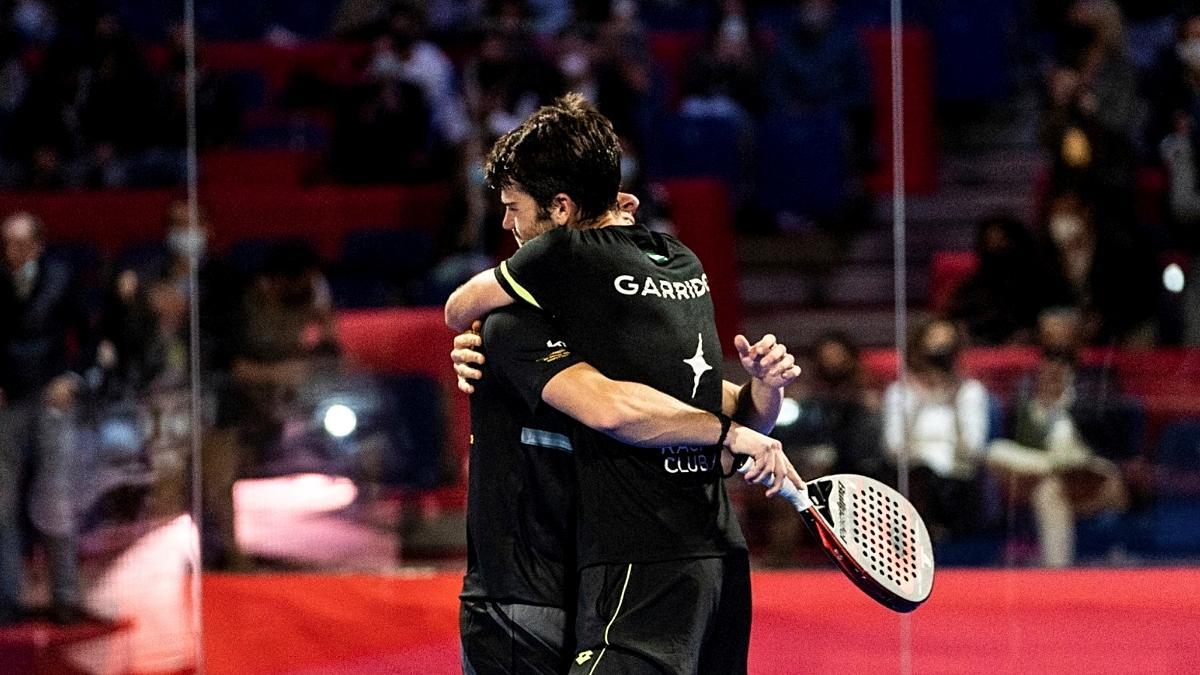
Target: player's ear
<point>563,209</point>
<point>628,203</point>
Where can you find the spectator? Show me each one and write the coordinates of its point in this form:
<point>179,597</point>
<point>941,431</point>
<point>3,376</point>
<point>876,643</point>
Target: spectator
<point>46,136</point>
<point>1107,275</point>
<point>999,303</point>
<point>38,387</point>
<point>218,106</point>
<point>1069,422</point>
<point>13,78</point>
<point>1089,126</point>
<point>506,81</point>
<point>286,337</point>
<point>382,135</point>
<point>404,55</point>
<point>819,64</point>
<point>1173,85</point>
<point>722,81</point>
<point>939,423</point>
<point>838,428</point>
<point>144,332</point>
<point>1174,94</point>
<point>117,105</point>
<point>610,75</point>
<point>35,20</point>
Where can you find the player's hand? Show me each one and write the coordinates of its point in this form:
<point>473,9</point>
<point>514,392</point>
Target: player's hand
<point>767,361</point>
<point>770,464</point>
<point>464,355</point>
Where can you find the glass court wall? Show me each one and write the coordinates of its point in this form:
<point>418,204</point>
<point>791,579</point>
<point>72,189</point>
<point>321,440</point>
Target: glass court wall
<point>972,221</point>
<point>97,414</point>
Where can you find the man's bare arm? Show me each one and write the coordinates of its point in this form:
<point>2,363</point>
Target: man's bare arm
<point>480,295</point>
<point>641,416</point>
<point>756,403</point>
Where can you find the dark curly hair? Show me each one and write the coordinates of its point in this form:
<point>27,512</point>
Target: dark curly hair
<point>565,147</point>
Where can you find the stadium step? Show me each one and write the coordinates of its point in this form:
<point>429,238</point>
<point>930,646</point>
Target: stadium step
<point>870,327</point>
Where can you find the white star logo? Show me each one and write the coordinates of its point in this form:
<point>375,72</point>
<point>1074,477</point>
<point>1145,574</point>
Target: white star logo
<point>698,364</point>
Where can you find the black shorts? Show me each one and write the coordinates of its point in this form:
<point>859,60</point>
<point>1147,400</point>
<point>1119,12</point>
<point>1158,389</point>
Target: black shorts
<point>679,617</point>
<point>500,638</point>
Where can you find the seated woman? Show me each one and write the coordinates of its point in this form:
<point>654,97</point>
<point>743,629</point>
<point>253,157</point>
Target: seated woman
<point>938,422</point>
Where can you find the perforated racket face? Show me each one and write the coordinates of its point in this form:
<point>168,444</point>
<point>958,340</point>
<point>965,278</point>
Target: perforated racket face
<point>883,533</point>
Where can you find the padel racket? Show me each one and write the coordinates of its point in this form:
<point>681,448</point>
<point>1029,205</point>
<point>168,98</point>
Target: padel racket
<point>871,532</point>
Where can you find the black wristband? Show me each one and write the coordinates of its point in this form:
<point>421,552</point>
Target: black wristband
<point>726,422</point>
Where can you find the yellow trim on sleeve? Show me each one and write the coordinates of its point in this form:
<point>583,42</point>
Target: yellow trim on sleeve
<point>518,288</point>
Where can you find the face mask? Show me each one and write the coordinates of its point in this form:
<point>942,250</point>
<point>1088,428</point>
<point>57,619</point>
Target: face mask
<point>33,19</point>
<point>734,29</point>
<point>185,242</point>
<point>1058,353</point>
<point>574,65</point>
<point>28,272</point>
<point>1065,227</point>
<point>816,16</point>
<point>1189,53</point>
<point>386,65</point>
<point>835,375</point>
<point>942,359</point>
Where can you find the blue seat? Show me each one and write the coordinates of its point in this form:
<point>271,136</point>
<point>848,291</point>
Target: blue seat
<point>686,147</point>
<point>296,133</point>
<point>146,258</point>
<point>355,291</point>
<point>248,256</point>
<point>801,165</point>
<point>676,16</point>
<point>1173,523</point>
<point>83,257</point>
<point>147,20</point>
<point>418,436</point>
<point>251,88</point>
<point>388,252</point>
<point>232,19</point>
<point>307,18</point>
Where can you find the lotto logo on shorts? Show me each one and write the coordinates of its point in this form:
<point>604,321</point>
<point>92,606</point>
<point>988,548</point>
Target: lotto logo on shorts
<point>583,657</point>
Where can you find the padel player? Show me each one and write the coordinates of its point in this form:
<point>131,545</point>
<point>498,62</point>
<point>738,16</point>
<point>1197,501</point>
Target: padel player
<point>517,594</point>
<point>664,577</point>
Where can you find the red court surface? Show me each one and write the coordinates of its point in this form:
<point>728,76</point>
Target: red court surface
<point>985,621</point>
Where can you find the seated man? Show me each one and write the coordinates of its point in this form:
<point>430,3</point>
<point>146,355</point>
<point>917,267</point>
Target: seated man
<point>286,338</point>
<point>1067,417</point>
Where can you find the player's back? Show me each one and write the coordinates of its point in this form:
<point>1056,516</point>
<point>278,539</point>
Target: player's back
<point>636,305</point>
<point>521,484</point>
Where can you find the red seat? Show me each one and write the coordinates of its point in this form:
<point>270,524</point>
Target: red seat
<point>947,271</point>
<point>322,215</point>
<point>920,136</point>
<point>395,341</point>
<point>672,51</point>
<point>329,60</point>
<point>701,210</point>
<point>273,168</point>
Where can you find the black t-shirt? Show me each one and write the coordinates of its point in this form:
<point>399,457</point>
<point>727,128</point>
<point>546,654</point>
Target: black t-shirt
<point>521,484</point>
<point>636,305</point>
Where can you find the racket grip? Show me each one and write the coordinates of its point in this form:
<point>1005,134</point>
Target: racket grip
<point>798,496</point>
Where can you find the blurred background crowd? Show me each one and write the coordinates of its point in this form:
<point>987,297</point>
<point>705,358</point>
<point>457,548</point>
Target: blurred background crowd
<point>1049,413</point>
